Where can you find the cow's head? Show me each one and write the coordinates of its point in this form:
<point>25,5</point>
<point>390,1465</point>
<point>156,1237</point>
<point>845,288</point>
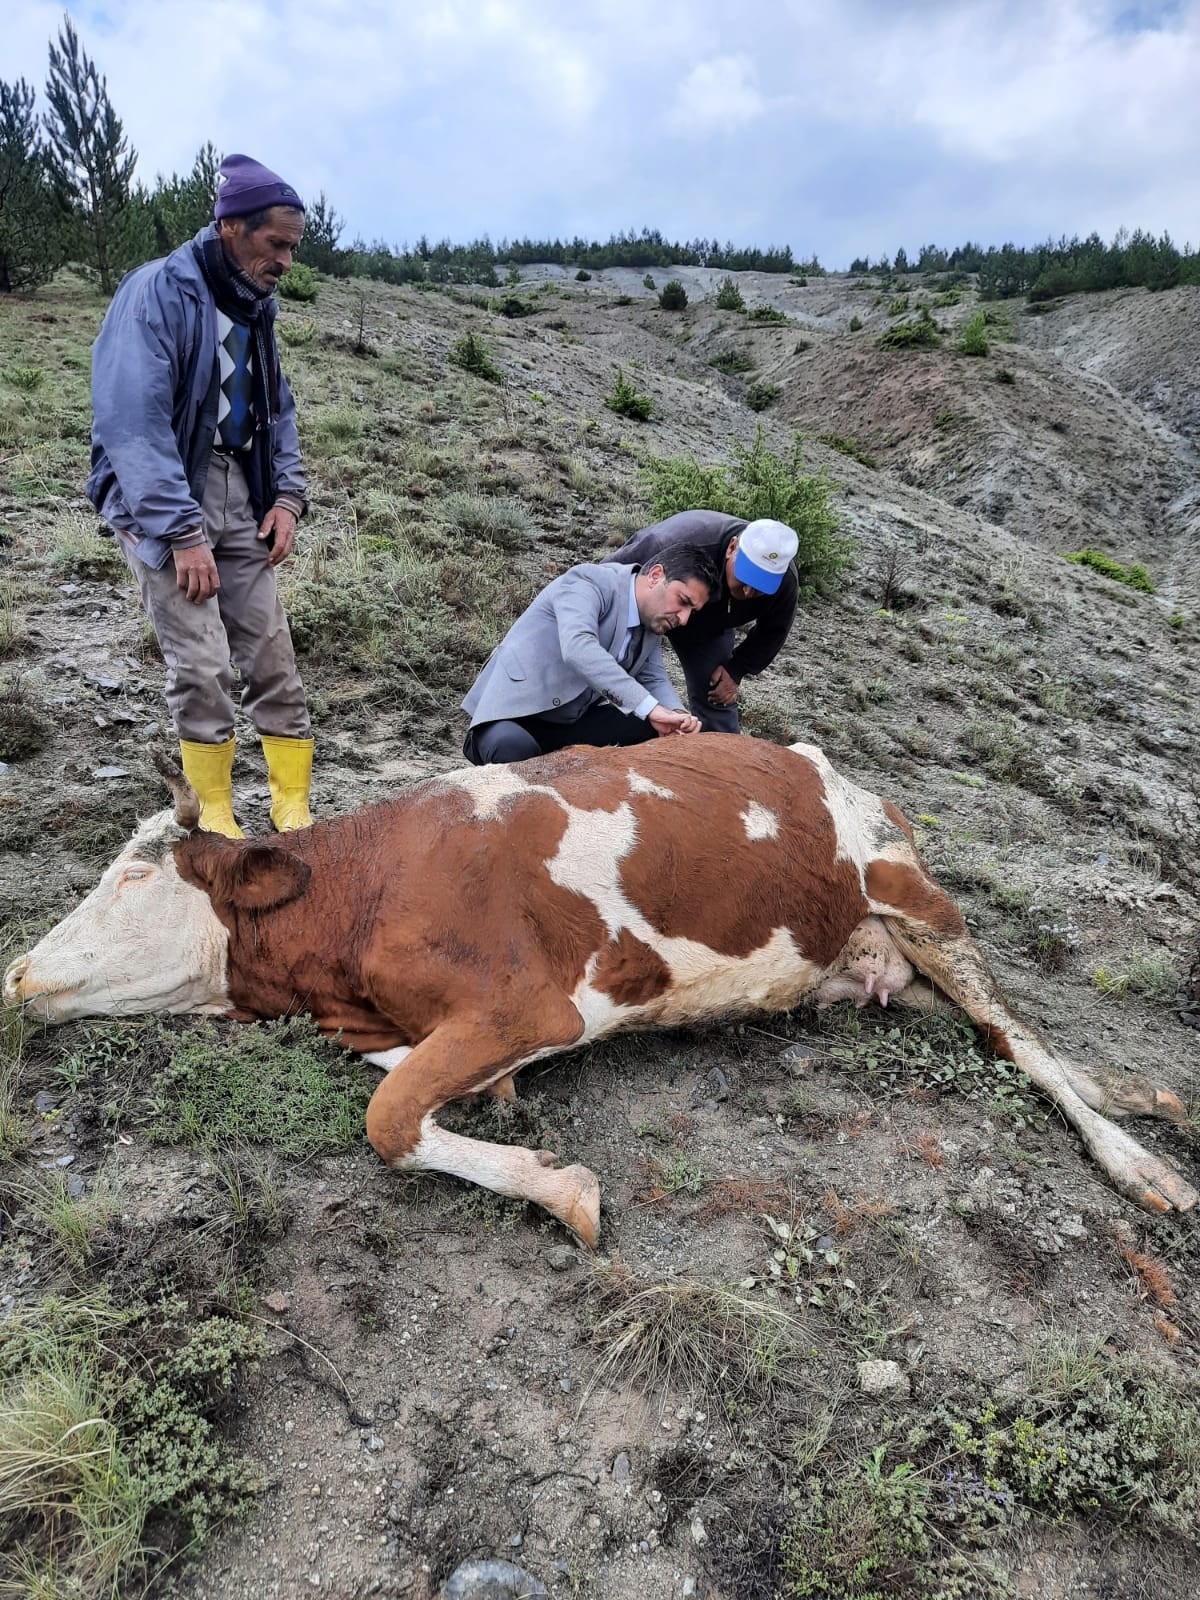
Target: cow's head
<point>149,937</point>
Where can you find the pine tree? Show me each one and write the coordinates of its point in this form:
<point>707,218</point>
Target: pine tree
<point>319,247</point>
<point>90,159</point>
<point>182,206</point>
<point>31,242</point>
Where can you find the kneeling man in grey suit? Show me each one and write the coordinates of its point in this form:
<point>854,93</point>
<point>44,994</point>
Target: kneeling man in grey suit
<point>583,664</point>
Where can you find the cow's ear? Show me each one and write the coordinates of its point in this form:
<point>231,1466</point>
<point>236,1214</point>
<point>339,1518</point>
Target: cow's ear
<point>246,877</point>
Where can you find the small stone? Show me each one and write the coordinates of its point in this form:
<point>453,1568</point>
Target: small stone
<point>565,1385</point>
<point>75,1186</point>
<point>689,1587</point>
<point>621,1469</point>
<point>492,1580</point>
<point>44,1101</point>
<point>374,1444</point>
<point>798,1058</point>
<point>276,1301</point>
<point>699,1535</point>
<point>882,1377</point>
<point>561,1257</point>
<point>110,772</point>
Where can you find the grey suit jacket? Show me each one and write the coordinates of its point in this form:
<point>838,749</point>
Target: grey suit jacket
<point>560,656</point>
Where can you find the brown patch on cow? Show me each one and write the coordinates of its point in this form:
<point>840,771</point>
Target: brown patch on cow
<point>587,778</point>
<point>629,972</point>
<point>894,814</point>
<point>898,886</point>
<point>695,875</point>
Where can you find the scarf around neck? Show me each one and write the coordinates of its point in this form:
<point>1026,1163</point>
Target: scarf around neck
<point>241,299</point>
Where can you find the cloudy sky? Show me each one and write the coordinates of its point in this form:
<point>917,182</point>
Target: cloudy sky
<point>843,127</point>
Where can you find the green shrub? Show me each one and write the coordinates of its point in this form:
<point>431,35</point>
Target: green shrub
<point>295,334</point>
<point>648,282</point>
<point>583,276</point>
<point>768,314</point>
<point>898,306</point>
<point>298,283</point>
<point>1134,576</point>
<point>846,444</point>
<point>110,1456</point>
<point>760,395</point>
<point>499,520</point>
<point>919,334</point>
<point>27,379</point>
<point>855,324</point>
<point>729,296</point>
<point>974,341</point>
<point>625,400</point>
<point>731,361</point>
<point>513,306</point>
<point>757,482</point>
<point>472,355</point>
<point>673,296</point>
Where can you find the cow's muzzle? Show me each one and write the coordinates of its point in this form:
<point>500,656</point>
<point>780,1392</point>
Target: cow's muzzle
<point>20,991</point>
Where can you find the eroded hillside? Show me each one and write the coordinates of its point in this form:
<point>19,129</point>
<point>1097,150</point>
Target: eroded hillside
<point>433,1382</point>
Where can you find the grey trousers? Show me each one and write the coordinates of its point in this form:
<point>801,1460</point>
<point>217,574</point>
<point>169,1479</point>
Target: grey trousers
<point>243,625</point>
<point>699,661</point>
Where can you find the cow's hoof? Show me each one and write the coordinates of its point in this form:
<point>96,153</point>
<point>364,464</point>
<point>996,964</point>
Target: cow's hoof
<point>579,1205</point>
<point>1169,1106</point>
<point>1157,1188</point>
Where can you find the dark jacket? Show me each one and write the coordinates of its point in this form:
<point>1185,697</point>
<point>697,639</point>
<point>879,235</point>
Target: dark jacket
<point>771,615</point>
<point>154,408</point>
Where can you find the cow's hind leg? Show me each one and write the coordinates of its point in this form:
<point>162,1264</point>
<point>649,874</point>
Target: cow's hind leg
<point>459,1059</point>
<point>936,942</point>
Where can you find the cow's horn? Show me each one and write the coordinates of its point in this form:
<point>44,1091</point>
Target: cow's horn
<point>187,807</point>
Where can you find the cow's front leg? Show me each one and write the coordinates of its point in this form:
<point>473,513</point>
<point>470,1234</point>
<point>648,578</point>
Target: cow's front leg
<point>458,1059</point>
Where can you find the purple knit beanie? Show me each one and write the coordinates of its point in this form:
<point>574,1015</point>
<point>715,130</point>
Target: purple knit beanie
<point>244,185</point>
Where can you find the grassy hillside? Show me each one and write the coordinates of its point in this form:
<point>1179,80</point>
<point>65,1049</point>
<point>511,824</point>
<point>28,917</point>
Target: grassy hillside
<point>383,1375</point>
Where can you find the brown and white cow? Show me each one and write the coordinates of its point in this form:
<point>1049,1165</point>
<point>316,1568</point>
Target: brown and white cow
<point>494,916</point>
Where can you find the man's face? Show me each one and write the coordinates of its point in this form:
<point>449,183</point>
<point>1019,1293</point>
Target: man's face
<point>266,254</point>
<point>738,589</point>
<point>667,603</point>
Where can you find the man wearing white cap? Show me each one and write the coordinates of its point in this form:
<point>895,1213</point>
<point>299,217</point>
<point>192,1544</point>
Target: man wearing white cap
<point>758,591</point>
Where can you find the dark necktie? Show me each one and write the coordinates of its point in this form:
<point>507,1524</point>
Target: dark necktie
<point>630,653</point>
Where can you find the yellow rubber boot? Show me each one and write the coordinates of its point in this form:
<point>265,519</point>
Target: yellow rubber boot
<point>289,771</point>
<point>209,770</point>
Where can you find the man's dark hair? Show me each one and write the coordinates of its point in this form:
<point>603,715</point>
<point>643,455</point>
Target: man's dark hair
<point>685,561</point>
<point>255,220</point>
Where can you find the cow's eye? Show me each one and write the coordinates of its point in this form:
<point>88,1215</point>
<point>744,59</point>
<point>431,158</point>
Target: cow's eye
<point>133,874</point>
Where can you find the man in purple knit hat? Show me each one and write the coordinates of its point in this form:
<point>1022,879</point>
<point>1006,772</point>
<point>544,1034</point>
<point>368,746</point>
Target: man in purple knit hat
<point>196,466</point>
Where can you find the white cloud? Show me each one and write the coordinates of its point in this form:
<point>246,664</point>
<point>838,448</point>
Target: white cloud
<point>717,95</point>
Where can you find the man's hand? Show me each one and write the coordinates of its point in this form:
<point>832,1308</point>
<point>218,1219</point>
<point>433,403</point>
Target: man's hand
<point>665,722</point>
<point>722,689</point>
<point>196,573</point>
<point>280,522</point>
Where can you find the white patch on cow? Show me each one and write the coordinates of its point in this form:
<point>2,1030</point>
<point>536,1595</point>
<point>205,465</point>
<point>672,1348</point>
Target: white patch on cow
<point>640,784</point>
<point>490,786</point>
<point>860,824</point>
<point>388,1060</point>
<point>760,822</point>
<point>143,940</point>
<point>588,860</point>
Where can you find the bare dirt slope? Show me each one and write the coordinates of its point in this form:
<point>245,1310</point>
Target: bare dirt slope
<point>432,1388</point>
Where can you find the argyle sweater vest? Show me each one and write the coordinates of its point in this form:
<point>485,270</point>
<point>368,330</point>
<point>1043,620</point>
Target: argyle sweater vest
<point>235,404</point>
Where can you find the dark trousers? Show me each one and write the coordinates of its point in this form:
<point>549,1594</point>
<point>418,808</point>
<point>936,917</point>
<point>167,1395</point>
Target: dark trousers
<point>522,737</point>
<point>699,661</point>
